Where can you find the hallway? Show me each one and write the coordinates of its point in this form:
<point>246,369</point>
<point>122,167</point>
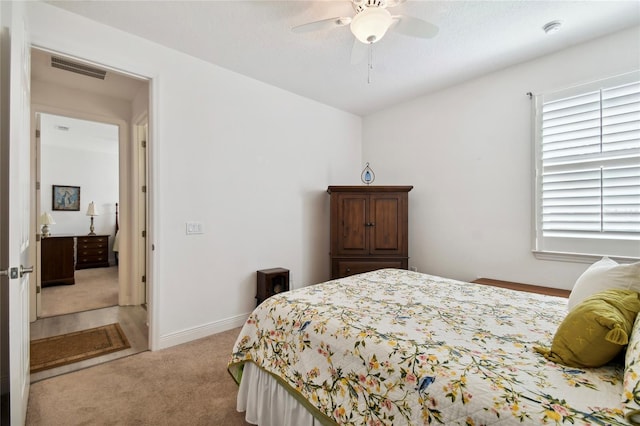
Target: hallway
<point>132,319</point>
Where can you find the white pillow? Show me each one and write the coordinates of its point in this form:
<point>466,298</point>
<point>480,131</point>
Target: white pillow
<point>605,274</point>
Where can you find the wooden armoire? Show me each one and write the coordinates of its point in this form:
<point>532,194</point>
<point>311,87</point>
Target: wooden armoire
<point>369,228</point>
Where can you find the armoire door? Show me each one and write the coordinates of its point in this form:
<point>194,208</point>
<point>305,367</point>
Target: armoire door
<point>353,236</point>
<point>387,232</point>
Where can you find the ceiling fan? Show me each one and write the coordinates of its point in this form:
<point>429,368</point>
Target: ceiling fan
<point>371,23</point>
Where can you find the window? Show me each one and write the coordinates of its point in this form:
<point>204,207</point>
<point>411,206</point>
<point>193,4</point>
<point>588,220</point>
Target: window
<point>587,146</point>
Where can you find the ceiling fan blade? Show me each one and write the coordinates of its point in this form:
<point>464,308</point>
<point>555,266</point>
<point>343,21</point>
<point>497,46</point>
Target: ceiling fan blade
<point>358,52</point>
<point>414,27</point>
<point>322,24</point>
<point>394,3</point>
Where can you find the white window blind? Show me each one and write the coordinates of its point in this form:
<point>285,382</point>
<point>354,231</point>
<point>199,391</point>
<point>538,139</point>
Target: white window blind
<point>588,169</point>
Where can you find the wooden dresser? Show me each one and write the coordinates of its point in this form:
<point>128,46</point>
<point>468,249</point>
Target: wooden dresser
<point>369,228</point>
<point>92,251</point>
<point>58,260</point>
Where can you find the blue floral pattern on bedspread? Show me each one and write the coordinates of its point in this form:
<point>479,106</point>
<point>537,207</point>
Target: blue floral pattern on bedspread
<point>395,347</point>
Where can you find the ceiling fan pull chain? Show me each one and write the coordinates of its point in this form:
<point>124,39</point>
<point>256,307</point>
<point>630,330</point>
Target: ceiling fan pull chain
<point>370,64</point>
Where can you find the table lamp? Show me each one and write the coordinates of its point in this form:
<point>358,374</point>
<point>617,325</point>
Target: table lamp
<point>92,211</point>
<point>46,219</point>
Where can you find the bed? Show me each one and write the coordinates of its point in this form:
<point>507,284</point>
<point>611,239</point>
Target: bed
<point>395,347</point>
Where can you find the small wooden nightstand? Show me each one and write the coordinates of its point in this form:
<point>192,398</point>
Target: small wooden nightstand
<point>271,281</point>
<point>92,252</point>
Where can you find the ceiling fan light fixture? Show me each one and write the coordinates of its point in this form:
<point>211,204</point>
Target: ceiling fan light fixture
<point>371,24</point>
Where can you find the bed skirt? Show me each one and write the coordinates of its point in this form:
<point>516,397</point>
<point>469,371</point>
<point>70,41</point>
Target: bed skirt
<point>266,403</point>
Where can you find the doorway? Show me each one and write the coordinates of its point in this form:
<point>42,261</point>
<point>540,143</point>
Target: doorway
<point>67,94</point>
<point>78,271</point>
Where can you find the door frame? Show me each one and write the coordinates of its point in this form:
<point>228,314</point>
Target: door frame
<point>88,55</point>
<point>124,272</point>
<point>140,142</point>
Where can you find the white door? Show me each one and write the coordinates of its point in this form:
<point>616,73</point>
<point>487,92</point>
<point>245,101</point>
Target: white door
<point>16,194</point>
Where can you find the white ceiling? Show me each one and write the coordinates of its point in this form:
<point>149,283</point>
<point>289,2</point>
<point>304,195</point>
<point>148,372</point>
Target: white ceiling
<point>67,132</point>
<point>254,38</point>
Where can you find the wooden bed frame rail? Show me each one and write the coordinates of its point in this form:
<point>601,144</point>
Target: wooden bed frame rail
<point>523,287</point>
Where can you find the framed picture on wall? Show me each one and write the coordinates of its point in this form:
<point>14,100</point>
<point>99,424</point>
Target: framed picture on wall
<point>66,198</point>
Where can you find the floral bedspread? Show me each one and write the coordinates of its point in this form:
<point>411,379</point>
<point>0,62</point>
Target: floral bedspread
<point>395,347</point>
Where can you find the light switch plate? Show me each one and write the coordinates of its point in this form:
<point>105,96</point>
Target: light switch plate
<point>194,228</point>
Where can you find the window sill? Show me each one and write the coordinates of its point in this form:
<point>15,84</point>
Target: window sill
<point>578,257</point>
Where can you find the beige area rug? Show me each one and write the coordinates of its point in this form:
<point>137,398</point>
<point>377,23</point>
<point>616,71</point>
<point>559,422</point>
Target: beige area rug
<point>64,349</point>
<point>182,385</point>
<point>94,289</point>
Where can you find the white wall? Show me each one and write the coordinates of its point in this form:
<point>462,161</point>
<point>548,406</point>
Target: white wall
<point>248,160</point>
<point>468,152</point>
<point>54,100</point>
<point>46,95</point>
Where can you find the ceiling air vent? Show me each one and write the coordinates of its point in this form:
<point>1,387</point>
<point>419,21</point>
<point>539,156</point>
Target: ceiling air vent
<point>66,65</point>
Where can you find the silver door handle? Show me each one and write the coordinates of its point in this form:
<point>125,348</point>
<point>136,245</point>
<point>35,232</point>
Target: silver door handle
<point>24,270</point>
<point>4,273</point>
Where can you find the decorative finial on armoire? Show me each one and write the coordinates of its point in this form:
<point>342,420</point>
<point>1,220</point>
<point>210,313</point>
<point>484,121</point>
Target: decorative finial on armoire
<point>367,175</point>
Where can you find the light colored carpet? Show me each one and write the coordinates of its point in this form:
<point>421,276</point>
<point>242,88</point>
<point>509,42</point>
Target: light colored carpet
<point>183,385</point>
<point>94,289</point>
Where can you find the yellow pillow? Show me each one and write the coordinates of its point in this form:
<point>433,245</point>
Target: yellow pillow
<point>596,330</point>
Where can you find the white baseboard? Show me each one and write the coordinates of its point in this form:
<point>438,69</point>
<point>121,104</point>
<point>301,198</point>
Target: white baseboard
<point>199,332</point>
